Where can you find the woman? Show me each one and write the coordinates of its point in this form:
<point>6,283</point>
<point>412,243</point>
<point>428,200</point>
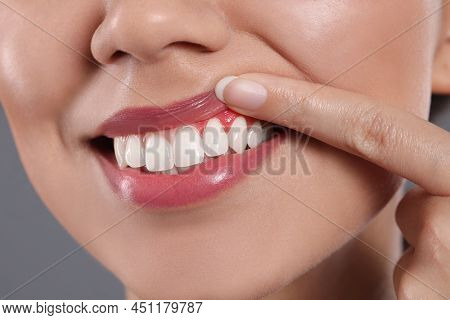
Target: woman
<point>126,137</point>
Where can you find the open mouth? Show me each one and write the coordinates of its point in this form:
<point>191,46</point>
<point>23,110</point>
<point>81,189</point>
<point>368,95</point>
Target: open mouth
<point>180,154</point>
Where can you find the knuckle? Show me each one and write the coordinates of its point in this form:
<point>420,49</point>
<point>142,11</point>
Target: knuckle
<point>294,110</point>
<point>370,132</point>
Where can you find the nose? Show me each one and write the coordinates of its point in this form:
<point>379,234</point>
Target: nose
<point>146,30</point>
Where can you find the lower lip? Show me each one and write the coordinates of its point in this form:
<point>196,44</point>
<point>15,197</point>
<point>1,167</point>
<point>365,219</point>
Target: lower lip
<point>201,183</point>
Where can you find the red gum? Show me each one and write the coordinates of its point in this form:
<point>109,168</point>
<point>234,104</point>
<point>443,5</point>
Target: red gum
<point>226,118</point>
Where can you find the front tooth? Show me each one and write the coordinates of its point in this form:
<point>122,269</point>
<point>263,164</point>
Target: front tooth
<point>255,135</point>
<point>188,147</point>
<point>134,154</point>
<point>215,139</point>
<point>158,153</point>
<point>237,136</point>
<point>120,144</point>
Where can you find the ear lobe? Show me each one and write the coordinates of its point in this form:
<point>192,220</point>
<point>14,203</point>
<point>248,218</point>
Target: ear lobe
<point>441,67</point>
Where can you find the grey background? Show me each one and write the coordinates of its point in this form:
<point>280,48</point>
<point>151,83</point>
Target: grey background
<point>31,239</point>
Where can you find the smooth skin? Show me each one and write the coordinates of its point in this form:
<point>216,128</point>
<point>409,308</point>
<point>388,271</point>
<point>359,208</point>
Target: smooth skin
<point>389,137</point>
<point>321,227</point>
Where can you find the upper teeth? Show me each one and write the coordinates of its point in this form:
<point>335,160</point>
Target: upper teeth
<point>186,146</point>
<point>215,140</point>
<point>255,135</point>
<point>119,150</point>
<point>158,153</point>
<point>237,136</point>
<point>134,155</point>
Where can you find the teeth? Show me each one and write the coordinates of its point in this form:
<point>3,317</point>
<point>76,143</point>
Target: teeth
<point>134,154</point>
<point>255,135</point>
<point>188,147</point>
<point>173,152</point>
<point>215,139</point>
<point>158,153</point>
<point>237,136</point>
<point>119,150</point>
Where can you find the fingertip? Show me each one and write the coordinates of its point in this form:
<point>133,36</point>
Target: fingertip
<point>241,93</point>
<point>221,85</point>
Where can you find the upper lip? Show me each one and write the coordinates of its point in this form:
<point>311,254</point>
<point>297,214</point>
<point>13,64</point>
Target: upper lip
<point>142,119</point>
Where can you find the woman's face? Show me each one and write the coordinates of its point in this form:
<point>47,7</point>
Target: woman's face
<point>66,67</point>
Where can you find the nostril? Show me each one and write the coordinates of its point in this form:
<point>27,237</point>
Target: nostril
<point>117,55</point>
<point>143,29</point>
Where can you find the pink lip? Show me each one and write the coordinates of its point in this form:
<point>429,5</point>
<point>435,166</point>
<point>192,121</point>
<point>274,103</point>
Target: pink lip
<point>203,181</point>
<point>136,120</point>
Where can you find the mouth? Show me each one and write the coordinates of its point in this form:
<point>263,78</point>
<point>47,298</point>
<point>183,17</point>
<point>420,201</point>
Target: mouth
<point>181,154</point>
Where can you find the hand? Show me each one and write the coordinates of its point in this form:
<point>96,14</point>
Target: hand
<point>393,139</point>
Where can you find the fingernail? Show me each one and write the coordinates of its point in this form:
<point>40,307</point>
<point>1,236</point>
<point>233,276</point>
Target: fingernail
<point>241,93</point>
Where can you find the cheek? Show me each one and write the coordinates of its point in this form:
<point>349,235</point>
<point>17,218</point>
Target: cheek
<point>41,62</point>
<point>360,46</point>
<point>41,72</point>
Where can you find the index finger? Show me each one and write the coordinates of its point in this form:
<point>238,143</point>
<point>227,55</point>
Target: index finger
<point>390,137</point>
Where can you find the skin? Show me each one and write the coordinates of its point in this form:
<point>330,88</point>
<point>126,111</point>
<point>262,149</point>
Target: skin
<point>332,235</point>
